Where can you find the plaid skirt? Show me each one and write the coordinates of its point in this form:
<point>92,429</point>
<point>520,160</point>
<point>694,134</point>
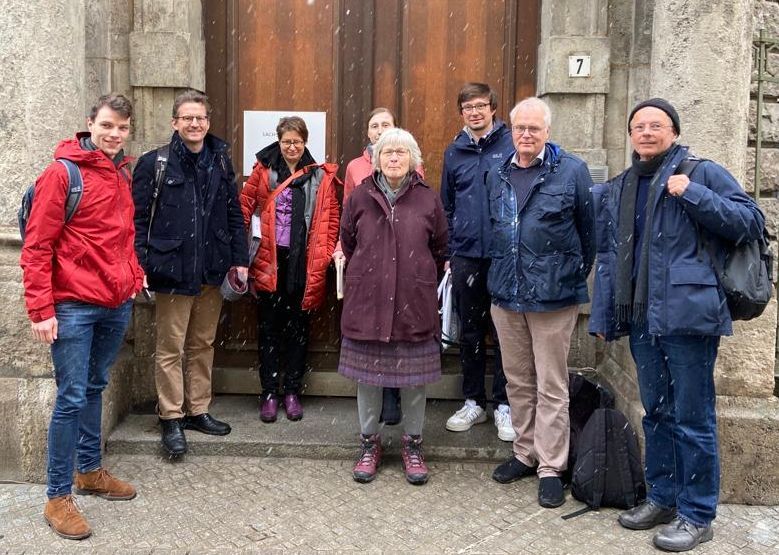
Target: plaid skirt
<point>394,364</point>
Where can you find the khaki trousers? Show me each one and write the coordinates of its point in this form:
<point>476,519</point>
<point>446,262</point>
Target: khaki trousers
<point>186,328</point>
<point>535,349</point>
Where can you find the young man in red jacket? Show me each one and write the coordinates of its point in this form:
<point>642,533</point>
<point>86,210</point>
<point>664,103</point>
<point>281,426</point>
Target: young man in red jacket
<point>79,279</point>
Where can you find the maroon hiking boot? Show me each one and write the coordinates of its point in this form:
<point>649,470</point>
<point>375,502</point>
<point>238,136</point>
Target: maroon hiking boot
<point>293,407</point>
<point>367,465</point>
<point>269,407</point>
<point>413,460</point>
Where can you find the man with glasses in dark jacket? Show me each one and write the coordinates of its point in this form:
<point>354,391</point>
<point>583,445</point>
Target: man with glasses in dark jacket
<point>483,143</point>
<point>187,239</point>
<point>542,248</point>
<point>655,285</point>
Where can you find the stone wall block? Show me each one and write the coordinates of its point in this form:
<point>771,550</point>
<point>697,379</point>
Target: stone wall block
<point>20,355</point>
<point>160,59</point>
<point>745,363</point>
<point>748,436</point>
<point>769,123</point>
<point>577,120</point>
<point>41,90</point>
<point>10,449</point>
<point>36,397</point>
<point>553,53</point>
<point>574,17</point>
<point>701,54</point>
<point>769,171</point>
<point>765,15</point>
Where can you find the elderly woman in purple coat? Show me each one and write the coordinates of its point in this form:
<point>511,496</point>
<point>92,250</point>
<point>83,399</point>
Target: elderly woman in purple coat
<point>393,235</point>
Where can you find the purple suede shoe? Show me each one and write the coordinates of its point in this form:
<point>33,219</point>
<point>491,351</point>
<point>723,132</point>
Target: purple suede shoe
<point>269,407</point>
<point>293,407</point>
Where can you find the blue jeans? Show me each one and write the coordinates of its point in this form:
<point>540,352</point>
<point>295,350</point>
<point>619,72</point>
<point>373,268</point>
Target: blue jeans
<point>676,381</point>
<point>88,339</point>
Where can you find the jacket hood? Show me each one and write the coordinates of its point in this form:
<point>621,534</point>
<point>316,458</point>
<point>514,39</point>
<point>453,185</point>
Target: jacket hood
<point>71,149</point>
<point>463,140</point>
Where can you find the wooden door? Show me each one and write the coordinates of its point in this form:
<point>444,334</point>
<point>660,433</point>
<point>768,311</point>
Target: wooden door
<point>345,57</point>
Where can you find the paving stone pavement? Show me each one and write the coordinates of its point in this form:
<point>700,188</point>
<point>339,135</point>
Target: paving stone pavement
<point>219,504</point>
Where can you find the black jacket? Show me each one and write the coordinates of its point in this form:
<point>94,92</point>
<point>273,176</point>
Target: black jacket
<point>197,233</point>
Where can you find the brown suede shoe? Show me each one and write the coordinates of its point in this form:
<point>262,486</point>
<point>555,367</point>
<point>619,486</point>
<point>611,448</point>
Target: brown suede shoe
<point>65,518</point>
<point>99,482</point>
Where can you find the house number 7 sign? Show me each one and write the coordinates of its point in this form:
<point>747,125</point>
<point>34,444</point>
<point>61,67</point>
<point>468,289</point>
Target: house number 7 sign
<point>578,66</point>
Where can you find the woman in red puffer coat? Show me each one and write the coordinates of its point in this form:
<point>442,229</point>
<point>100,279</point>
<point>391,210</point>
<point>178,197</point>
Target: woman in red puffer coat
<point>296,201</point>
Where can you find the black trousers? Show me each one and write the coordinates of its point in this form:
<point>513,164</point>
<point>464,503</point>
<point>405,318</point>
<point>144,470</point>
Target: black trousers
<point>472,304</point>
<point>283,328</point>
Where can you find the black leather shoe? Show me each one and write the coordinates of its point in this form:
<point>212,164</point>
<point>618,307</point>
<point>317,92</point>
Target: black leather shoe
<point>645,516</point>
<point>390,408</point>
<point>550,492</point>
<point>206,424</point>
<point>681,535</point>
<point>173,439</point>
<point>511,471</point>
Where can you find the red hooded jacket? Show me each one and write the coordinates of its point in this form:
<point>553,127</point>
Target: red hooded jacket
<point>91,258</point>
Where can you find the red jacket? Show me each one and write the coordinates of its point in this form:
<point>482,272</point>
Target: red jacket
<point>322,235</point>
<point>91,258</point>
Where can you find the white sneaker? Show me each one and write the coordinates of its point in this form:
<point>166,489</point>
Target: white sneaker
<point>466,417</point>
<point>503,424</point>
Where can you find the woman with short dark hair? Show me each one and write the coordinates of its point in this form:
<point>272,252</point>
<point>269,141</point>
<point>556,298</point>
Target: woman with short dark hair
<point>296,200</point>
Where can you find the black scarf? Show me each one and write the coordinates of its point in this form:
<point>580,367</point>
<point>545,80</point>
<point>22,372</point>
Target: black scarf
<point>631,304</point>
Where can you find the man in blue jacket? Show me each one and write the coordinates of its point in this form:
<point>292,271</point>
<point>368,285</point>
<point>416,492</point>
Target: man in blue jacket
<point>483,143</point>
<point>542,248</point>
<point>187,239</point>
<point>656,285</point>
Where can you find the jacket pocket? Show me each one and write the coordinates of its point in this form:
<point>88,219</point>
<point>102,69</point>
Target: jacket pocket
<point>693,300</point>
<point>555,204</point>
<point>219,254</point>
<point>171,191</point>
<point>164,259</point>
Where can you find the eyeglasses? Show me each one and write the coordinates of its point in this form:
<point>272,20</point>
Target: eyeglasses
<point>399,152</point>
<point>652,127</point>
<point>531,129</point>
<point>286,143</point>
<point>468,108</point>
<point>191,119</point>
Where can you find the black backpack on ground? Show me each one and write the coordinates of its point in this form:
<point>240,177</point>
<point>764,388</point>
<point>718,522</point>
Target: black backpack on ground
<point>585,396</point>
<point>608,471</point>
<point>72,200</point>
<point>746,275</point>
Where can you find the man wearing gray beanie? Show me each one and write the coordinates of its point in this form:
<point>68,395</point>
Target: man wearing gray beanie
<point>654,285</point>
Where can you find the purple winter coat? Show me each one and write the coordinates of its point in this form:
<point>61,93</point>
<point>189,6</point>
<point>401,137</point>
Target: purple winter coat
<point>393,257</point>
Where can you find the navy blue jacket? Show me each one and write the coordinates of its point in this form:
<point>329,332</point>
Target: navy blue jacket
<point>198,232</point>
<point>463,190</point>
<point>684,295</point>
<point>543,250</point>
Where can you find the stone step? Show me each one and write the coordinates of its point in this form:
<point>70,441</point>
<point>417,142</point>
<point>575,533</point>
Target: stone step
<point>329,430</point>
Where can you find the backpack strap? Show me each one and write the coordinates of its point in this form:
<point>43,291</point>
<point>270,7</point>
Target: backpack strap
<point>75,188</point>
<point>160,165</point>
<point>688,165</point>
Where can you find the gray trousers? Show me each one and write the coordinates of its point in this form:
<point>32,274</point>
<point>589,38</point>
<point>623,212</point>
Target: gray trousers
<point>412,403</point>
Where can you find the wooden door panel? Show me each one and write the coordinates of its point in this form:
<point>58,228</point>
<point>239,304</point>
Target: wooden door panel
<point>346,57</point>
